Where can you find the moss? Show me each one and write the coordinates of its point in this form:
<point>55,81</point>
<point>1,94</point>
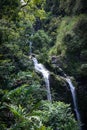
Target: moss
<point>71,42</point>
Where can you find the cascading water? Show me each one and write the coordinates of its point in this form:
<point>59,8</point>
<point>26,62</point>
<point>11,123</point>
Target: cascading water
<point>30,44</point>
<point>30,47</point>
<point>40,68</point>
<point>73,92</point>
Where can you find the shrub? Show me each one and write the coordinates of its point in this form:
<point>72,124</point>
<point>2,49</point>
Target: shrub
<point>57,115</point>
<point>41,40</point>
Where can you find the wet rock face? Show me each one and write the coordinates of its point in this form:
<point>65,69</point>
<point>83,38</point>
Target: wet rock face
<point>82,100</point>
<point>57,65</point>
<point>54,59</point>
<point>59,86</point>
<point>61,91</point>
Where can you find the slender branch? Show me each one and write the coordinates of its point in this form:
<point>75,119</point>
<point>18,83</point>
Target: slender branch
<point>25,4</point>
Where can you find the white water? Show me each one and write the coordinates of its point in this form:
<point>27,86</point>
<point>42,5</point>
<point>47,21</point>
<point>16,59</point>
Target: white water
<point>40,68</point>
<point>72,88</point>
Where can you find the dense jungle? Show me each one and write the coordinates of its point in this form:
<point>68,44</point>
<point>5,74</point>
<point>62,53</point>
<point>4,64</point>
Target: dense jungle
<point>55,33</point>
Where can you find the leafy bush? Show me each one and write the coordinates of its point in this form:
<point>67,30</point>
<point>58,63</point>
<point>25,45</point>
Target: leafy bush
<point>66,7</point>
<point>41,41</point>
<point>26,95</point>
<point>57,115</point>
<point>47,116</point>
<point>24,120</point>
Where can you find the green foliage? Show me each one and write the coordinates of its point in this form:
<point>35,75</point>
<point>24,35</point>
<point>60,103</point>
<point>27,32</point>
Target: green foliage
<point>71,42</point>
<point>66,7</point>
<point>21,90</point>
<point>41,41</point>
<point>82,70</point>
<point>26,95</point>
<point>57,116</point>
<point>47,116</point>
<point>39,11</point>
<point>12,49</point>
<point>9,9</point>
<point>34,9</point>
<point>23,121</point>
<point>19,104</point>
<point>64,28</point>
<point>51,24</point>
<point>78,31</point>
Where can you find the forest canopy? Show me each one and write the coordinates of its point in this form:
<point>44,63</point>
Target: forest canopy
<point>57,33</point>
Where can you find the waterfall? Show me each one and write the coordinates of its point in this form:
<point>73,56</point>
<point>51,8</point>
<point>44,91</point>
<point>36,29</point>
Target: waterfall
<point>30,47</point>
<point>40,68</point>
<point>30,44</point>
<point>73,92</point>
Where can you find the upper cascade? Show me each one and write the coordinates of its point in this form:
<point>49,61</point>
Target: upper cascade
<point>40,68</point>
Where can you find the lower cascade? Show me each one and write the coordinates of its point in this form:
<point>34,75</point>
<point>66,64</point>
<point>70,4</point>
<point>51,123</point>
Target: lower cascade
<point>40,68</point>
<point>73,92</point>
